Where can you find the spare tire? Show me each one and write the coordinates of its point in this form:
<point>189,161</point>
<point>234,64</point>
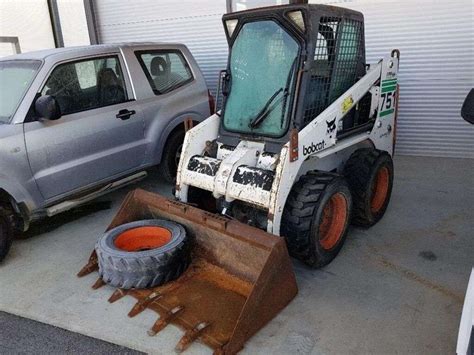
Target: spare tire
<point>143,254</point>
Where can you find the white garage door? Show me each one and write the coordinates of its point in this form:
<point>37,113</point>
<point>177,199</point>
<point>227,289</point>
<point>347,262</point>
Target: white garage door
<point>197,24</point>
<point>435,39</point>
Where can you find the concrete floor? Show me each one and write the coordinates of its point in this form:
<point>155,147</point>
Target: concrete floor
<point>395,288</point>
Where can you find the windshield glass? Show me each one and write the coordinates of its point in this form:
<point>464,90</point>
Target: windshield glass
<point>262,70</point>
<point>15,78</point>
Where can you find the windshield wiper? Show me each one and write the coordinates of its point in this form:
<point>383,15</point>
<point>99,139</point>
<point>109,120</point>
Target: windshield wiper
<point>260,117</point>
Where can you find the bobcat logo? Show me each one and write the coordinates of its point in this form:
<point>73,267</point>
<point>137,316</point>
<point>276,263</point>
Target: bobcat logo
<point>331,125</point>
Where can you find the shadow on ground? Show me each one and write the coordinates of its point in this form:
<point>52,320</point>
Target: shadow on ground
<point>50,224</point>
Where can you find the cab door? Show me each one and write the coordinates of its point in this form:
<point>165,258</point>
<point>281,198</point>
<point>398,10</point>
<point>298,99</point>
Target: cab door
<point>100,134</point>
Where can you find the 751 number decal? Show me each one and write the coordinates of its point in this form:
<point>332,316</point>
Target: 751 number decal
<point>388,99</point>
<point>388,103</point>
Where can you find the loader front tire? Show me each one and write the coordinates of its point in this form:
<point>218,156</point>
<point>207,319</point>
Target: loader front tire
<point>6,230</point>
<point>369,173</point>
<point>316,218</point>
<point>143,254</point>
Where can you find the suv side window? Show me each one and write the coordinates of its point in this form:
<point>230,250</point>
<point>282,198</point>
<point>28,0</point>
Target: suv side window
<point>87,84</point>
<point>165,70</point>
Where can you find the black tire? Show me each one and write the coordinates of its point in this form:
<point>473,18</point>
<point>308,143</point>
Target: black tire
<point>170,158</point>
<point>144,268</point>
<point>6,230</point>
<point>369,173</point>
<point>315,196</point>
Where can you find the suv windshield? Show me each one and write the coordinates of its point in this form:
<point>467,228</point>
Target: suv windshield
<point>262,70</point>
<point>15,78</point>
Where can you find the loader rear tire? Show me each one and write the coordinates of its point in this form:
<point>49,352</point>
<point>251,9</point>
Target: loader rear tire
<point>143,254</point>
<point>316,218</point>
<point>369,173</point>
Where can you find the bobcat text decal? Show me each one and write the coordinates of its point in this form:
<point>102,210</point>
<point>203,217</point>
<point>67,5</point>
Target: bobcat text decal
<point>313,148</point>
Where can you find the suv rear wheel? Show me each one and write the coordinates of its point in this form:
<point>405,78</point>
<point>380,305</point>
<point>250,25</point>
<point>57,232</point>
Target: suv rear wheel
<point>171,155</point>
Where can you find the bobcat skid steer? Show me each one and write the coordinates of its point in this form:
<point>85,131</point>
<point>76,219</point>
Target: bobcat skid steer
<point>301,148</point>
<point>303,143</point>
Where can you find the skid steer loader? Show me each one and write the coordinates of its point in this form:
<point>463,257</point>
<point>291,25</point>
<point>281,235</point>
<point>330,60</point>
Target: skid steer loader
<point>306,133</point>
<point>301,147</point>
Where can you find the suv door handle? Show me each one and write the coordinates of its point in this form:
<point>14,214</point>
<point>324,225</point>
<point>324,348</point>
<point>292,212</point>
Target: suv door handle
<point>125,114</point>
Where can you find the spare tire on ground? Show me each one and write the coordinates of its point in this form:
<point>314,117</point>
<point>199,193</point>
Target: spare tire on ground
<point>143,254</point>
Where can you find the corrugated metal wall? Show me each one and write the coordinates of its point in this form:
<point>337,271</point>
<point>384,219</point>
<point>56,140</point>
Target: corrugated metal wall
<point>436,39</point>
<point>198,24</point>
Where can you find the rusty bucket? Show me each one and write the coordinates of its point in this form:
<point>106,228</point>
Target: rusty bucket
<point>240,277</point>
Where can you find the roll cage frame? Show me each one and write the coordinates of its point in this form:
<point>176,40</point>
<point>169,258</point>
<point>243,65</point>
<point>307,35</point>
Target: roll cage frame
<point>307,40</point>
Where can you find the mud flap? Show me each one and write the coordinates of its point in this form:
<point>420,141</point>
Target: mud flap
<point>239,279</point>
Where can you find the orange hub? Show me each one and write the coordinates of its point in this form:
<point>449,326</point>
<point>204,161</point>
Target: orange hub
<point>143,238</point>
<point>333,221</point>
<point>380,190</point>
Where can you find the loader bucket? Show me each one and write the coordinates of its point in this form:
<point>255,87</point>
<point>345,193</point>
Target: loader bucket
<point>240,277</point>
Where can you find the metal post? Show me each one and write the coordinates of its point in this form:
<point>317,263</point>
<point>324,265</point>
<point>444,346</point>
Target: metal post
<point>91,21</point>
<point>55,23</point>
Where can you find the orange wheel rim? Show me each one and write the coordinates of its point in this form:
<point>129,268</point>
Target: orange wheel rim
<point>380,190</point>
<point>333,221</point>
<point>143,238</point>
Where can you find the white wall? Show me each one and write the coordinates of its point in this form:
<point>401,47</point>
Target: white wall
<point>29,21</point>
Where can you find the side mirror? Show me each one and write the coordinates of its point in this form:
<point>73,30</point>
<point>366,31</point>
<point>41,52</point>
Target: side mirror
<point>47,107</point>
<point>467,111</point>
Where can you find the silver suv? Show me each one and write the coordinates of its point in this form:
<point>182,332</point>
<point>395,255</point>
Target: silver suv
<point>76,123</point>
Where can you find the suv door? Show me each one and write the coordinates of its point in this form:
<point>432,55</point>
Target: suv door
<point>100,134</point>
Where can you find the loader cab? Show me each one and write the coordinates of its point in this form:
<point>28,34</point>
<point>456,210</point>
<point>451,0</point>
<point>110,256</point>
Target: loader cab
<point>286,65</point>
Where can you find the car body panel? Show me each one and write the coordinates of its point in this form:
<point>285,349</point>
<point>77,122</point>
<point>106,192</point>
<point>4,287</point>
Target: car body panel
<point>84,147</point>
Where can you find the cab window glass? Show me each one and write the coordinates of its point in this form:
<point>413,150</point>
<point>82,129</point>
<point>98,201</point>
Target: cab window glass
<point>262,68</point>
<point>86,84</point>
<point>165,70</point>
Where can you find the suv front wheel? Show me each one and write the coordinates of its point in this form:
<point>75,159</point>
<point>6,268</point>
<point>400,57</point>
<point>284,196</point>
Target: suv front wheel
<point>6,230</point>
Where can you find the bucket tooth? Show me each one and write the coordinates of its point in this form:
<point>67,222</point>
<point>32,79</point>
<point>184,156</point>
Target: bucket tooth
<point>118,294</point>
<point>141,305</point>
<point>98,284</point>
<point>91,266</point>
<point>190,336</point>
<point>163,321</point>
